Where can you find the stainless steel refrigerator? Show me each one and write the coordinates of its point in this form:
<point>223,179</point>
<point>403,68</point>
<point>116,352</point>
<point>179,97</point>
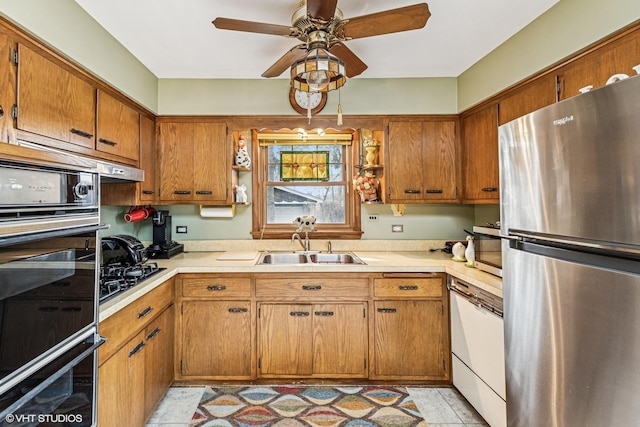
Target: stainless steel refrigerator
<point>570,208</point>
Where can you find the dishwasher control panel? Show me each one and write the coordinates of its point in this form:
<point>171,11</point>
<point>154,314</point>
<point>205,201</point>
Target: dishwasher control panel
<point>477,296</point>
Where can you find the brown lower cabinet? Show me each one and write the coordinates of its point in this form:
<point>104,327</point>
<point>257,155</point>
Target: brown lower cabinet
<point>136,363</point>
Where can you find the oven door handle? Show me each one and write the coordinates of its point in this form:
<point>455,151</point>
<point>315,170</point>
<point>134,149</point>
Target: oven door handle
<point>46,383</point>
<point>25,238</point>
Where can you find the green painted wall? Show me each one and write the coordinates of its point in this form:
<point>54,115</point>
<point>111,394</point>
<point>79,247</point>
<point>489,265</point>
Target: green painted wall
<point>566,28</point>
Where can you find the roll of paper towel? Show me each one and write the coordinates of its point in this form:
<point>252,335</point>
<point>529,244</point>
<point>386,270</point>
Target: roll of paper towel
<point>217,211</point>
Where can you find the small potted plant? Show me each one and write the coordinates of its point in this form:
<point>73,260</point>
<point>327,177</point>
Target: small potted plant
<point>367,186</point>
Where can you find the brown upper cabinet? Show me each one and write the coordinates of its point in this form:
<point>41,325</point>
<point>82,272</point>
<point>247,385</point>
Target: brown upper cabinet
<point>480,175</point>
<point>195,162</point>
<point>594,68</point>
<point>527,99</point>
<point>118,128</point>
<point>421,161</point>
<point>54,102</point>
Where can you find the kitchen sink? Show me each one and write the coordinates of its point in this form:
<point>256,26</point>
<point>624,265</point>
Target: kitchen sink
<point>292,258</point>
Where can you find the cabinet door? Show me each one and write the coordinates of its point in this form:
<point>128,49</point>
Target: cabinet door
<point>148,160</point>
<point>339,340</point>
<point>480,156</point>
<point>194,162</point>
<point>158,359</point>
<point>439,160</point>
<point>409,339</point>
<point>118,128</point>
<point>216,339</point>
<point>285,339</point>
<point>8,92</point>
<point>537,94</point>
<point>121,386</point>
<point>53,102</point>
<point>404,162</point>
<point>617,57</point>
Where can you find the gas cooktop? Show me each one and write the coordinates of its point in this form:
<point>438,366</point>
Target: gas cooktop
<point>115,278</point>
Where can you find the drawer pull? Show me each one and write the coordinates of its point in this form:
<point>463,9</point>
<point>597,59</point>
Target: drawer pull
<point>216,288</point>
<point>311,287</point>
<point>299,313</point>
<point>147,192</point>
<point>408,287</point>
<point>108,142</point>
<point>238,310</point>
<point>153,333</point>
<point>137,349</point>
<point>81,133</point>
<point>490,189</point>
<point>411,191</point>
<point>145,312</point>
<point>182,192</point>
<point>204,192</point>
<point>387,310</point>
<point>324,313</point>
<point>433,191</point>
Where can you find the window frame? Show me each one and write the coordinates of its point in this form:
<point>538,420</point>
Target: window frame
<point>351,229</point>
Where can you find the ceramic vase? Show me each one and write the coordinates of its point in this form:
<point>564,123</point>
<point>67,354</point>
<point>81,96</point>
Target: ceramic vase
<point>371,155</point>
<point>470,253</point>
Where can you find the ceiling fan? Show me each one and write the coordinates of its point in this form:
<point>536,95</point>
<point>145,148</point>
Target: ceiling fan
<point>320,25</point>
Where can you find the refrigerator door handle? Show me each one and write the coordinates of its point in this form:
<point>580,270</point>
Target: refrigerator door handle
<point>581,243</point>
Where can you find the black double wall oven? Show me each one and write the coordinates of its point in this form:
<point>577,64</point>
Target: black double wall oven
<point>49,265</point>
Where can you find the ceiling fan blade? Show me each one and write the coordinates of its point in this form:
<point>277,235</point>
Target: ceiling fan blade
<point>321,9</point>
<point>254,27</point>
<point>282,64</point>
<point>354,65</point>
<point>390,21</point>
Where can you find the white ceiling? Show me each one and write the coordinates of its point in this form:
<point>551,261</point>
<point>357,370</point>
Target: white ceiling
<point>175,39</point>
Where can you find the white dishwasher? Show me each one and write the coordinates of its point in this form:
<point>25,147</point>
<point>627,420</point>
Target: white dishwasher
<point>477,344</point>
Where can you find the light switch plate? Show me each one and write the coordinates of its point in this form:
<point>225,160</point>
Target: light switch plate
<point>181,229</point>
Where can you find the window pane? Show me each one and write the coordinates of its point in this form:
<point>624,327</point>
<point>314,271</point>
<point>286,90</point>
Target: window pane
<point>287,202</point>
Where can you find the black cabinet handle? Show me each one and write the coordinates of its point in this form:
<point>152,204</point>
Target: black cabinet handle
<point>108,142</point>
<point>411,191</point>
<point>216,288</point>
<point>238,310</point>
<point>137,349</point>
<point>81,133</point>
<point>299,313</point>
<point>387,310</point>
<point>145,312</point>
<point>182,192</point>
<point>311,287</point>
<point>204,192</point>
<point>433,191</point>
<point>490,189</point>
<point>324,313</point>
<point>147,192</point>
<point>408,287</point>
<point>153,333</point>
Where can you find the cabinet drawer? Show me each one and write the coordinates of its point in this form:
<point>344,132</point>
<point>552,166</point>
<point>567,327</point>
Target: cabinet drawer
<point>118,328</point>
<point>408,287</point>
<point>216,287</point>
<point>301,287</point>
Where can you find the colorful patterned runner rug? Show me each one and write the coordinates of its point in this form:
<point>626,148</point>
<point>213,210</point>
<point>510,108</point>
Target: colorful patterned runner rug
<point>303,406</point>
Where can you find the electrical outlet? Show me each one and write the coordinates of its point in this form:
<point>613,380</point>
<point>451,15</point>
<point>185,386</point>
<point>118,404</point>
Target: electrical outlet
<point>181,229</point>
<point>397,228</point>
<point>373,217</point>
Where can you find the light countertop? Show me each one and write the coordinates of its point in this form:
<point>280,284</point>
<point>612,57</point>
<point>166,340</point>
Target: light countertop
<point>398,262</point>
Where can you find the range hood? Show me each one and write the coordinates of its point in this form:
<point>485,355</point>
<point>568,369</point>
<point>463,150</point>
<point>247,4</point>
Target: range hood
<point>109,172</point>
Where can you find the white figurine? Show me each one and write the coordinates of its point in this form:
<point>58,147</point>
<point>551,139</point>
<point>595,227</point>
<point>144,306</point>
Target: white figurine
<point>470,253</point>
<point>458,252</point>
<point>241,193</point>
<point>242,156</point>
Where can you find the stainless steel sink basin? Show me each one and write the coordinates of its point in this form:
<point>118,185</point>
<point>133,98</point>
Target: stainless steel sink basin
<point>335,258</point>
<point>293,258</point>
<point>283,258</point>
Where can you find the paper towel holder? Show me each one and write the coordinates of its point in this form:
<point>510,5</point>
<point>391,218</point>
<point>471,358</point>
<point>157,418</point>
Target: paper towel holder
<point>217,211</point>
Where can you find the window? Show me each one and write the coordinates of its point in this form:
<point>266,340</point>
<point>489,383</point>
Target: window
<point>299,174</point>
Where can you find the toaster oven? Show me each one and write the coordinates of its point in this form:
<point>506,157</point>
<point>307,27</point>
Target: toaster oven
<point>488,249</point>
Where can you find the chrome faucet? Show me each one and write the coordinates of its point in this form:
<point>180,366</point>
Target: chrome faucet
<point>305,243</point>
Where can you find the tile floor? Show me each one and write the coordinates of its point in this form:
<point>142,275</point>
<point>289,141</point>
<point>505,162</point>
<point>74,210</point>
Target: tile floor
<point>441,407</point>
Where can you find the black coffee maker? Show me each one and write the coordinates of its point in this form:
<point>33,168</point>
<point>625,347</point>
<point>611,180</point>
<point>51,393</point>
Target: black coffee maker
<point>163,246</point>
